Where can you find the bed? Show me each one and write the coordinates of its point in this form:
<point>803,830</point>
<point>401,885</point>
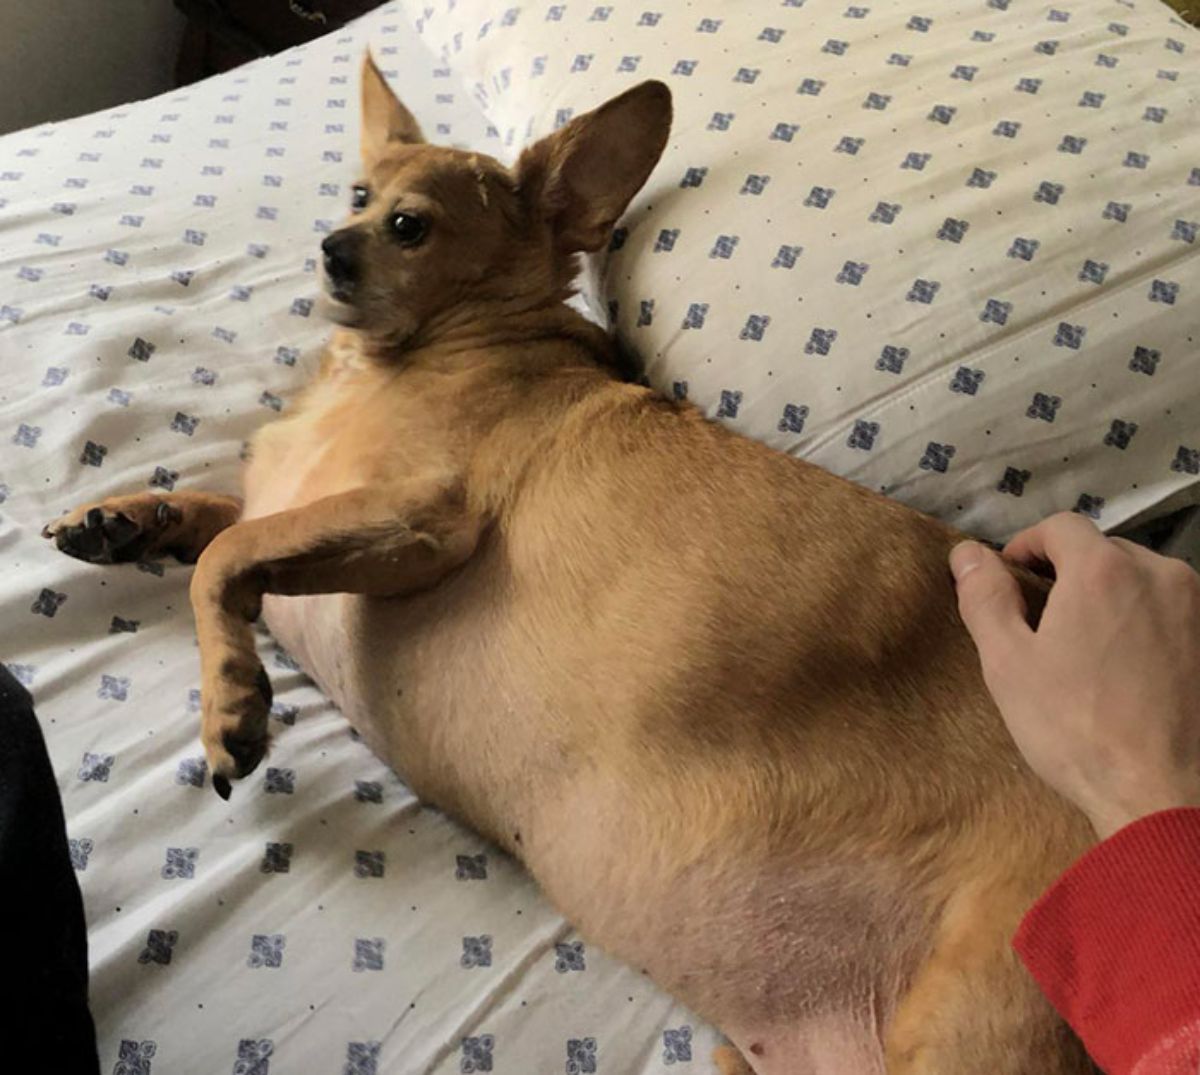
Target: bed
<point>157,278</point>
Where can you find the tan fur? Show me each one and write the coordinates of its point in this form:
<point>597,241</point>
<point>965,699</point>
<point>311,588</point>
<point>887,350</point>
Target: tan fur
<point>719,701</point>
<point>730,1062</point>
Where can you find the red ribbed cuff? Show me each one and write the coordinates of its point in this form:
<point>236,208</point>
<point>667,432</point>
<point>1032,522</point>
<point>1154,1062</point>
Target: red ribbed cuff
<point>1115,945</point>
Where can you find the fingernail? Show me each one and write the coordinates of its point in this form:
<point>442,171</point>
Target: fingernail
<point>965,557</point>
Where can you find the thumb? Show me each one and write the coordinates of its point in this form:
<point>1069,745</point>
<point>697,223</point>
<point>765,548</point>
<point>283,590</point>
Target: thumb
<point>989,598</point>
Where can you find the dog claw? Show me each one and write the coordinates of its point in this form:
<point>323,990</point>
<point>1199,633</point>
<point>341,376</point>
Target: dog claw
<point>222,786</point>
<point>165,515</point>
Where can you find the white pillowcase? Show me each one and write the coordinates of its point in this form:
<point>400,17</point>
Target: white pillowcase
<point>948,252</point>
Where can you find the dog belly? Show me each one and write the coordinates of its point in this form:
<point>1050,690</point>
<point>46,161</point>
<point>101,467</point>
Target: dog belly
<point>800,962</point>
<point>309,629</point>
<point>374,696</point>
<point>761,943</point>
<point>425,681</point>
<point>802,948</point>
<point>787,949</point>
<point>801,944</point>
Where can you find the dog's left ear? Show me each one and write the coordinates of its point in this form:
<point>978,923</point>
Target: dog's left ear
<point>581,178</point>
<point>384,119</point>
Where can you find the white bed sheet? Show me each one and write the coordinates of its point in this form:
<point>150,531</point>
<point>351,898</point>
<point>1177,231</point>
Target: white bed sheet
<point>322,921</point>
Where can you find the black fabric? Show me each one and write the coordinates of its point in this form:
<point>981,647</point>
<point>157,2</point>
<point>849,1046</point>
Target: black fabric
<point>46,1025</point>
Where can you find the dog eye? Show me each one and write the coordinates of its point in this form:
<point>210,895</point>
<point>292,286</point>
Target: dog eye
<point>359,197</point>
<point>409,229</point>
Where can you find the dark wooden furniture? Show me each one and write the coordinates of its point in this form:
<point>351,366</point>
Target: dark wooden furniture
<point>221,34</point>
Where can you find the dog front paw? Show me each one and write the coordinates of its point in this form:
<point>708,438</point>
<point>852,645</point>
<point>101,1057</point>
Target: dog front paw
<point>235,707</point>
<point>113,531</point>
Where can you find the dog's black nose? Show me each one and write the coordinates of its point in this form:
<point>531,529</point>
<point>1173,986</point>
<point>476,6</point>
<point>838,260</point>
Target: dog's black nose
<point>341,260</point>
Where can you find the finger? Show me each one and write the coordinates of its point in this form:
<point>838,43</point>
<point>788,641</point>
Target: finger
<point>1058,540</point>
<point>989,600</point>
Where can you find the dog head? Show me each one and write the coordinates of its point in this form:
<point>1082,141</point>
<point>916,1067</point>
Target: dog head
<point>438,237</point>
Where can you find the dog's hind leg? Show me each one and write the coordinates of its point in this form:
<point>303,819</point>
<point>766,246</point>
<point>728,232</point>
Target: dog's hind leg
<point>973,1007</point>
<point>125,528</point>
<point>379,541</point>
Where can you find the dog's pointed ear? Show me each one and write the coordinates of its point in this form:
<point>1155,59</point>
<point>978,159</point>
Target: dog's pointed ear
<point>581,178</point>
<point>384,119</point>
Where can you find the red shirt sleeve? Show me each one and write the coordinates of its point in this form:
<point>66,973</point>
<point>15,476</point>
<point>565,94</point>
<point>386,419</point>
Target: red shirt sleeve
<point>1115,945</point>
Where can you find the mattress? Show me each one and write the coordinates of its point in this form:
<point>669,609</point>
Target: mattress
<point>156,278</point>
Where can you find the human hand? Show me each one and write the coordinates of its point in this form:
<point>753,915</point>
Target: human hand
<point>1103,698</point>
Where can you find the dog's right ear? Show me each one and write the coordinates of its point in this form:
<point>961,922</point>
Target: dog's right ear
<point>580,178</point>
<point>384,119</point>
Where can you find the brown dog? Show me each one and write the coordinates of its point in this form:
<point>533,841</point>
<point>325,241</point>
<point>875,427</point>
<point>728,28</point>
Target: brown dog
<point>620,641</point>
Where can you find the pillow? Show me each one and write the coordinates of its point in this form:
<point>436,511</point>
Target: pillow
<point>947,251</point>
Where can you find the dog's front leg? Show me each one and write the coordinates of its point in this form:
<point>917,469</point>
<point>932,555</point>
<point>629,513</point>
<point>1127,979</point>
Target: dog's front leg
<point>383,542</point>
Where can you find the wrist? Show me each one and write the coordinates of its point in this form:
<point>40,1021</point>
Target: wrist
<point>1113,813</point>
<point>1108,822</point>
